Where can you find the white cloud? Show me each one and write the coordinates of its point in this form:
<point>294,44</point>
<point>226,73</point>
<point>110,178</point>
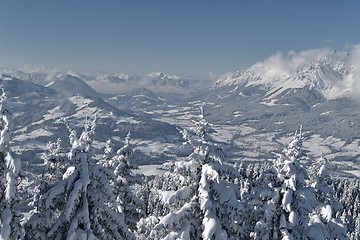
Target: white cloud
<point>354,77</point>
<point>31,68</point>
<point>289,63</point>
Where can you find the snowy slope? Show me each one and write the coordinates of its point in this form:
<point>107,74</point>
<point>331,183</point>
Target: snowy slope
<point>39,113</point>
<point>38,75</point>
<point>71,85</point>
<point>329,73</point>
<point>271,98</point>
<point>108,83</point>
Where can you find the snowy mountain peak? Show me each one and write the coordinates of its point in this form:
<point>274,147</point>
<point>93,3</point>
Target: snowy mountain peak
<point>116,78</point>
<point>4,77</point>
<point>328,72</point>
<point>161,79</point>
<point>38,75</point>
<point>161,75</point>
<point>71,85</point>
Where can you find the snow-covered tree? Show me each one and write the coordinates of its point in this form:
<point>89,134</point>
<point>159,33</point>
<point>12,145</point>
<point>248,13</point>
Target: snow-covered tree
<point>348,194</point>
<point>205,204</point>
<point>127,149</point>
<point>126,180</point>
<point>262,199</point>
<point>55,164</point>
<point>287,214</point>
<point>82,205</point>
<point>355,234</point>
<point>323,219</point>
<point>10,167</point>
<point>108,150</point>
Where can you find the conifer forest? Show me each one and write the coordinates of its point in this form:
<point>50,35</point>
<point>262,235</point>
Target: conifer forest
<point>81,196</point>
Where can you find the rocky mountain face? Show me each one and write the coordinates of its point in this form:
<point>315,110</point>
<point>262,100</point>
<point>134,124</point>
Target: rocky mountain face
<point>313,92</point>
<point>330,75</point>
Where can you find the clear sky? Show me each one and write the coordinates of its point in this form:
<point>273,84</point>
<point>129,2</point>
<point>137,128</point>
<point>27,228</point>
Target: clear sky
<point>191,37</point>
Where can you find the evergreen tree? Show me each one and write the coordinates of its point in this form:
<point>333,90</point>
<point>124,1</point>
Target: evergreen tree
<point>126,196</point>
<point>355,234</point>
<point>55,164</point>
<point>323,219</point>
<point>82,205</point>
<point>262,200</point>
<point>108,150</point>
<point>10,167</point>
<point>206,205</point>
<point>348,193</point>
<point>287,213</point>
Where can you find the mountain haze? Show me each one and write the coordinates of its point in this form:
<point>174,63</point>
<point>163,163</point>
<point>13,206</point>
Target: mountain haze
<point>313,88</point>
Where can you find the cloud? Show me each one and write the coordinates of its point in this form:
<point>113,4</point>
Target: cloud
<point>288,64</point>
<point>31,68</point>
<point>354,77</point>
<point>164,84</point>
<point>34,69</point>
<point>345,79</point>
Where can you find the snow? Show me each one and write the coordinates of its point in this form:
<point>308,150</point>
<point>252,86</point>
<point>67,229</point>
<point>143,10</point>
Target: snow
<point>144,96</point>
<point>238,113</point>
<point>327,112</point>
<point>179,195</point>
<point>172,219</point>
<point>36,133</point>
<point>165,196</point>
<point>80,101</point>
<point>270,102</point>
<point>329,73</point>
<point>150,170</point>
<point>315,232</point>
<point>68,172</point>
<point>10,187</point>
<point>127,120</point>
<point>287,200</point>
<point>54,113</point>
<point>53,193</point>
<point>326,212</point>
<point>293,219</point>
<point>210,225</point>
<point>6,217</point>
<point>353,172</point>
<point>317,145</point>
<point>247,142</point>
<point>72,85</point>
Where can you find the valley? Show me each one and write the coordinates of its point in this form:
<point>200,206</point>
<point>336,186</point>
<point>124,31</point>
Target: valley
<point>254,112</point>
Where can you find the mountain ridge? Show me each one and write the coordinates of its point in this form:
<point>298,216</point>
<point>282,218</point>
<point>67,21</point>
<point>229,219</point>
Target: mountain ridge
<point>330,75</point>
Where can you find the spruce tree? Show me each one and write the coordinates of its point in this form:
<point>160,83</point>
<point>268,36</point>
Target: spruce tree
<point>286,215</point>
<point>108,150</point>
<point>205,204</point>
<point>126,180</point>
<point>10,167</point>
<point>323,219</point>
<point>82,205</point>
<point>262,200</point>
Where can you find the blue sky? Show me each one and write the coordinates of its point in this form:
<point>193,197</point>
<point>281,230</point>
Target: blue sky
<point>180,37</point>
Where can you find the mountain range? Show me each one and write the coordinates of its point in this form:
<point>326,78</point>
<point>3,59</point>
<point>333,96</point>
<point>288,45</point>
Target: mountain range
<point>254,109</point>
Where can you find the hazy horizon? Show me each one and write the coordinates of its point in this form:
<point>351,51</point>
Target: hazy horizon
<point>187,38</point>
